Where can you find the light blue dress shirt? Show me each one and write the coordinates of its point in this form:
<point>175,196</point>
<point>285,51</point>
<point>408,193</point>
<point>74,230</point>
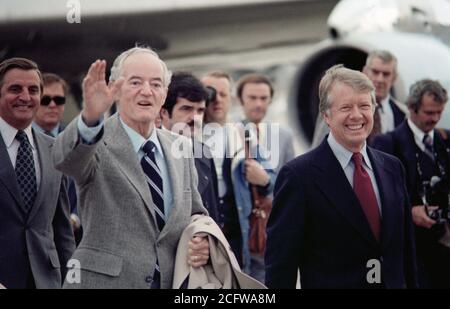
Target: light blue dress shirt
<point>53,132</point>
<point>88,134</point>
<point>344,157</point>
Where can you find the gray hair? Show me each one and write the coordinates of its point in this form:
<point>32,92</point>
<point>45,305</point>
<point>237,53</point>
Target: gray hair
<point>384,55</point>
<point>422,87</point>
<point>339,74</point>
<point>116,69</point>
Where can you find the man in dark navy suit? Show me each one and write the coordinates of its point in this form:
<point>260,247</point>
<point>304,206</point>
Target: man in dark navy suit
<point>341,212</point>
<point>424,151</point>
<point>381,68</point>
<point>183,111</point>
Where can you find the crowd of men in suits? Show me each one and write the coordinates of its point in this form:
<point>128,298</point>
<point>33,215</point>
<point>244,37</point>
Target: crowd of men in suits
<point>374,187</point>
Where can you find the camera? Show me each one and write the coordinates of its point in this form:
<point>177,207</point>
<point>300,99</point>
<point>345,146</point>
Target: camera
<point>436,192</point>
<point>211,95</point>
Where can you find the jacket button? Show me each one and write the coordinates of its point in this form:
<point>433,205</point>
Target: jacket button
<point>148,279</point>
<point>206,177</point>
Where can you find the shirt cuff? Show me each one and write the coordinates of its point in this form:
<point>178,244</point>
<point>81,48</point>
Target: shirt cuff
<point>89,134</point>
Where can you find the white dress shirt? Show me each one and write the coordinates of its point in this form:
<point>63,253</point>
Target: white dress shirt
<point>216,141</point>
<point>386,116</point>
<point>419,134</point>
<point>12,146</point>
<point>344,157</point>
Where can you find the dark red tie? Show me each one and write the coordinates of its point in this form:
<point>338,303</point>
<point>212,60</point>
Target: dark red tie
<point>366,195</point>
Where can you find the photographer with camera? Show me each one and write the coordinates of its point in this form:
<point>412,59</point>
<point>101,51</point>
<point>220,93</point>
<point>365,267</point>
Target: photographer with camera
<point>425,153</point>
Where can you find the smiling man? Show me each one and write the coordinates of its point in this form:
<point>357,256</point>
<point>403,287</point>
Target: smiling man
<point>342,206</point>
<point>36,239</point>
<point>136,196</point>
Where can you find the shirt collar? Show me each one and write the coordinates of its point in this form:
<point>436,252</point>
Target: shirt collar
<point>419,134</point>
<point>138,140</point>
<point>54,132</point>
<point>385,102</point>
<point>9,133</point>
<point>343,155</point>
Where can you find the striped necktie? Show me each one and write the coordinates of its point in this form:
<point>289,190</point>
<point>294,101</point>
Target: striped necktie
<point>428,143</point>
<point>155,183</point>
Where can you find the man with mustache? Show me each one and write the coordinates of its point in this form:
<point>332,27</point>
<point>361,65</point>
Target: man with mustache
<point>182,113</point>
<point>424,151</point>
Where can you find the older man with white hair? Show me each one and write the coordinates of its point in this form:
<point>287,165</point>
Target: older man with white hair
<point>136,196</point>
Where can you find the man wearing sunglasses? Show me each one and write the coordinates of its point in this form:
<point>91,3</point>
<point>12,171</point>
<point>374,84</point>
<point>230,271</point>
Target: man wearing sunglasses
<point>49,115</point>
<point>48,121</point>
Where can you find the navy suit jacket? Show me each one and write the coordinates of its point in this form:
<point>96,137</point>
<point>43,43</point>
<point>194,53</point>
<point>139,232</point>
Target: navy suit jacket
<point>399,115</point>
<point>401,143</point>
<point>318,226</point>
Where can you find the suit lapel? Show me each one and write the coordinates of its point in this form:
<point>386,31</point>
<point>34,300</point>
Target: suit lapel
<point>408,149</point>
<point>175,168</point>
<point>119,144</point>
<point>384,177</point>
<point>334,185</point>
<point>8,176</point>
<point>202,166</point>
<point>47,172</point>
<point>399,115</point>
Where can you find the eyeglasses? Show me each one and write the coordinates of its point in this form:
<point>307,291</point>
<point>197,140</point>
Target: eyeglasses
<point>57,99</point>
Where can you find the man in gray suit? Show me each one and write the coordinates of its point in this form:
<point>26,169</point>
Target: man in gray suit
<point>136,194</point>
<point>36,238</point>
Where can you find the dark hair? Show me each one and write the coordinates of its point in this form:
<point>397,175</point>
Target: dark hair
<point>253,79</point>
<point>51,78</point>
<point>22,64</point>
<point>422,87</point>
<point>184,85</point>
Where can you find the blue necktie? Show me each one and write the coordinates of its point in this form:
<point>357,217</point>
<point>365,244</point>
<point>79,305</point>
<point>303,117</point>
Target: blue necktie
<point>25,170</point>
<point>155,183</point>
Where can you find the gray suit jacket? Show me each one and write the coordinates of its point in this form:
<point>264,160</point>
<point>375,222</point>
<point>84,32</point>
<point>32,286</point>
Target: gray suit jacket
<point>121,240</point>
<point>34,244</point>
<point>286,148</point>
